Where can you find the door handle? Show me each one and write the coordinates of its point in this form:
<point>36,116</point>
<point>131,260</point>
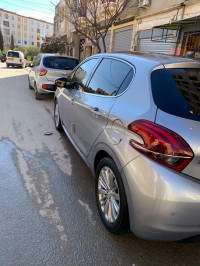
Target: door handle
<point>95,111</point>
<point>72,101</point>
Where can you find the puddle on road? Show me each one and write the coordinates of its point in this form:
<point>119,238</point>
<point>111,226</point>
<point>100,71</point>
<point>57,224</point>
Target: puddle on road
<point>38,185</point>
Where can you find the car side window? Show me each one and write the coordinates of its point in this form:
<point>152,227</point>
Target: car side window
<point>80,77</point>
<point>108,77</point>
<point>126,82</point>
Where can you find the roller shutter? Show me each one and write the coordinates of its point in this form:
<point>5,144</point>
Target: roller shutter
<point>122,39</point>
<point>145,44</point>
<point>107,43</point>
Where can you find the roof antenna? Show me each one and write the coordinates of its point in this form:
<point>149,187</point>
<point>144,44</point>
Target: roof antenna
<point>191,55</point>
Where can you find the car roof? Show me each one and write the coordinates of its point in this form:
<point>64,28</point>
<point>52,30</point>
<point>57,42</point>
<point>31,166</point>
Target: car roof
<point>155,59</point>
<point>57,55</point>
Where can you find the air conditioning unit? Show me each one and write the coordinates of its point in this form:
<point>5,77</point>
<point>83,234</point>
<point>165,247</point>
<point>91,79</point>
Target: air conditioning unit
<point>144,3</point>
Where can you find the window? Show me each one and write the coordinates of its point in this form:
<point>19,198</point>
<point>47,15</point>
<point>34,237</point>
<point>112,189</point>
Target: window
<point>6,31</point>
<point>32,43</point>
<point>108,77</point>
<point>19,19</point>
<point>19,33</point>
<point>38,44</point>
<point>18,26</point>
<point>25,20</point>
<point>19,41</point>
<point>25,42</point>
<point>6,23</point>
<point>126,82</point>
<point>60,62</point>
<point>13,17</point>
<point>13,54</point>
<point>82,74</point>
<point>177,92</point>
<point>38,30</point>
<point>38,24</point>
<point>25,27</point>
<point>47,27</point>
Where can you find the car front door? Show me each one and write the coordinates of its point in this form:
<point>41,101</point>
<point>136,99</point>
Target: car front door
<point>93,102</point>
<point>66,102</point>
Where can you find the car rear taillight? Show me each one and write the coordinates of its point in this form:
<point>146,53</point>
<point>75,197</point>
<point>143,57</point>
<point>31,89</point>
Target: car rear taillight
<point>44,86</point>
<point>20,60</point>
<point>6,58</point>
<point>161,144</point>
<point>42,72</point>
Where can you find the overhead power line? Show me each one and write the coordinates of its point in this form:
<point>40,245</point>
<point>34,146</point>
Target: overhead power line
<point>26,7</point>
<point>32,3</point>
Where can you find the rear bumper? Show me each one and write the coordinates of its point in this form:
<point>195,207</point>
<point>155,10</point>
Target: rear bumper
<point>13,64</point>
<point>163,204</point>
<point>51,88</point>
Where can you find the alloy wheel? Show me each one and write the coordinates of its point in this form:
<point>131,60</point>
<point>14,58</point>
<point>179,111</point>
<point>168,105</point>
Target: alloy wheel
<point>108,194</point>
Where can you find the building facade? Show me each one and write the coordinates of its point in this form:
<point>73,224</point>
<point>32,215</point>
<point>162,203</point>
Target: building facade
<point>26,31</point>
<point>169,27</point>
<point>62,27</point>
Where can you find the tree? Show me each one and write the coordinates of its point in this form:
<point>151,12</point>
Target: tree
<point>31,52</point>
<point>56,45</point>
<point>1,41</point>
<point>12,45</point>
<point>93,18</point>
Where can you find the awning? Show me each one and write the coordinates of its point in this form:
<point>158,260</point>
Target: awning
<point>172,29</point>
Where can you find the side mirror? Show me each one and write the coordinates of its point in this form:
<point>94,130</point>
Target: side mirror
<point>60,82</point>
<point>63,83</point>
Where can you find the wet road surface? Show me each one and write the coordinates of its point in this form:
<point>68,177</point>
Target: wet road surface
<point>48,214</point>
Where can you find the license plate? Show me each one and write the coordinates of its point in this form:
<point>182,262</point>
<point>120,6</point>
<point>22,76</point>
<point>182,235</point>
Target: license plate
<point>10,59</point>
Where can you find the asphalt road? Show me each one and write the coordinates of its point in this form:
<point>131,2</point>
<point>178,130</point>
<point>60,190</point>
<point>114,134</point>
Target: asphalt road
<point>48,214</point>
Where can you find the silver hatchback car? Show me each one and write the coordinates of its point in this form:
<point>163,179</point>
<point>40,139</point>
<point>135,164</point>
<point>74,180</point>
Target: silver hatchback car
<point>135,120</point>
<point>46,69</point>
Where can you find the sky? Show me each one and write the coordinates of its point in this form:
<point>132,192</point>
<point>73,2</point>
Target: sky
<point>39,9</point>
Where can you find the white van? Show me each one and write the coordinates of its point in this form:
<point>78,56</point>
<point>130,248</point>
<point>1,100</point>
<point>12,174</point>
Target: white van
<point>15,58</point>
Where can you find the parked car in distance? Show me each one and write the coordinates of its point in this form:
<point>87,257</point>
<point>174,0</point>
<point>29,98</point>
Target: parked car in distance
<point>46,69</point>
<point>15,58</point>
<point>3,58</point>
<point>135,120</point>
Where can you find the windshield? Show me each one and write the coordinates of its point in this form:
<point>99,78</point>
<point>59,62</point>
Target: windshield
<point>177,92</point>
<point>60,62</point>
<point>13,54</point>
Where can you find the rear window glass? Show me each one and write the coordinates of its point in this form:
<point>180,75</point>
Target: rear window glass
<point>13,54</point>
<point>177,92</point>
<point>60,62</point>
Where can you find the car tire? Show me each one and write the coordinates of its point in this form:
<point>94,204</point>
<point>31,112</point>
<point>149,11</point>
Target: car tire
<point>29,84</point>
<point>111,197</point>
<point>38,96</point>
<point>57,120</point>
<point>7,65</point>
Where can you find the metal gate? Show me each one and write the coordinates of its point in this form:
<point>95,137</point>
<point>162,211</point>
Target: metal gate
<point>107,43</point>
<point>122,39</point>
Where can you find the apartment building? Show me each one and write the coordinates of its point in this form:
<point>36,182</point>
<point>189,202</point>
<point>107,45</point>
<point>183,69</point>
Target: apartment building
<point>26,31</point>
<point>62,27</point>
<point>168,27</point>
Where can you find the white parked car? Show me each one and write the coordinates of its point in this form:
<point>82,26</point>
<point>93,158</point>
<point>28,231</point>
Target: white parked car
<point>15,58</point>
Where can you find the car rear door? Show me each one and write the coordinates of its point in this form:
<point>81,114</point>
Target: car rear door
<point>33,74</point>
<point>93,102</point>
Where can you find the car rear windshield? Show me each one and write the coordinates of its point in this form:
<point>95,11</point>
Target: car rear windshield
<point>60,62</point>
<point>13,54</point>
<point>177,92</point>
